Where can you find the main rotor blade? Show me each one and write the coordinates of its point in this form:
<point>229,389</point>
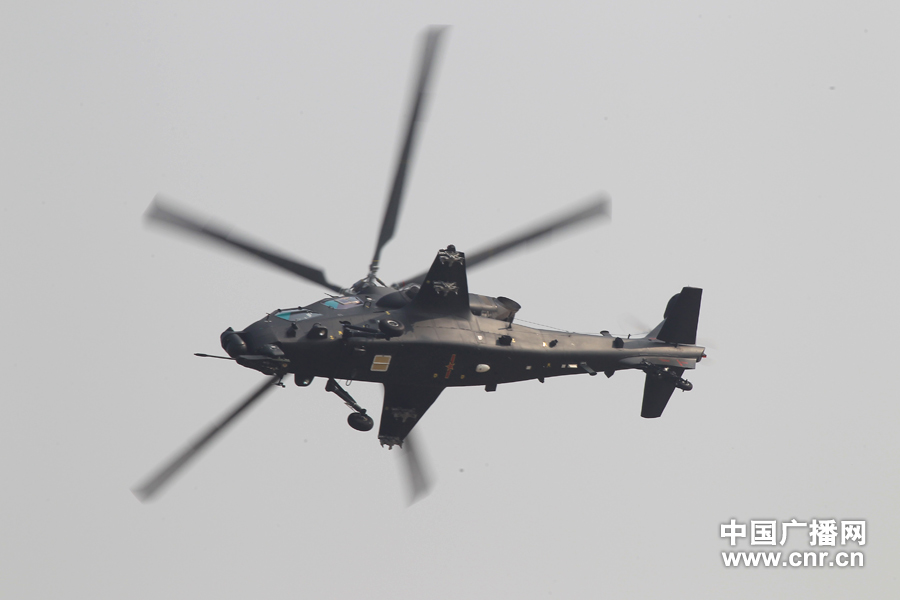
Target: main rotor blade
<point>418,482</point>
<point>149,488</point>
<point>597,207</point>
<point>162,211</point>
<point>391,211</point>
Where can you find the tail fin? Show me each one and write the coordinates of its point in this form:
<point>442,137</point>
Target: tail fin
<point>679,326</point>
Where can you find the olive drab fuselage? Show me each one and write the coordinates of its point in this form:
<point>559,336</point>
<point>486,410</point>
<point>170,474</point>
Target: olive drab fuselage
<point>346,338</point>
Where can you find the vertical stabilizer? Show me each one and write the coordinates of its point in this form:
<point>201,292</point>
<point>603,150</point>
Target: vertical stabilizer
<point>681,317</point>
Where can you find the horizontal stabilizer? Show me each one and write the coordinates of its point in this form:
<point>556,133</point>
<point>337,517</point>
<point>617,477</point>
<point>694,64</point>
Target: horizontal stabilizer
<point>657,392</point>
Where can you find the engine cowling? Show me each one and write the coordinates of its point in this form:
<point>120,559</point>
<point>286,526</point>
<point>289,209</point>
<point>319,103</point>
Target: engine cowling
<point>500,308</point>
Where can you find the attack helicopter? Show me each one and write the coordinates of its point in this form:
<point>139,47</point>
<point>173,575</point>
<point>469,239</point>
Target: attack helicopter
<point>426,333</point>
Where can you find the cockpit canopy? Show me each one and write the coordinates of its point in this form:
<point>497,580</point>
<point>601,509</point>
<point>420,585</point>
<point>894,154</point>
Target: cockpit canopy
<point>297,314</point>
<point>342,302</point>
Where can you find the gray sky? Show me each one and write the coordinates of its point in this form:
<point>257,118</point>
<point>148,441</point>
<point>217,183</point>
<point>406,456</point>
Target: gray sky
<point>750,149</point>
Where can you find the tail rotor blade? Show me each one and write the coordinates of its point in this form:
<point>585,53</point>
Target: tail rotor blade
<point>149,488</point>
<point>392,209</point>
<point>161,210</point>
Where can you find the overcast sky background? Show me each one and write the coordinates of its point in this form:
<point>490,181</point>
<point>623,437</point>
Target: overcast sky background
<point>750,149</point>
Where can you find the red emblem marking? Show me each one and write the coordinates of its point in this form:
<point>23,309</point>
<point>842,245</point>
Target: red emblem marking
<point>450,366</point>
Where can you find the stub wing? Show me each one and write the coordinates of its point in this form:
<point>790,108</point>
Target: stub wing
<point>445,289</point>
<point>404,405</point>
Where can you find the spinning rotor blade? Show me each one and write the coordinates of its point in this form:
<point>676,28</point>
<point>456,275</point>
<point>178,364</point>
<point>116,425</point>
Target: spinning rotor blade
<point>392,209</point>
<point>149,488</point>
<point>161,211</point>
<point>598,207</point>
<point>418,482</point>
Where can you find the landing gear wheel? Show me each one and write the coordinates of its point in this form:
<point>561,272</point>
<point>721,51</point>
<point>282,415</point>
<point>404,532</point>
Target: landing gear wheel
<point>391,328</point>
<point>360,422</point>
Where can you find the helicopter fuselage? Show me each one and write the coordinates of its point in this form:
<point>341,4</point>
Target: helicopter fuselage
<point>377,335</point>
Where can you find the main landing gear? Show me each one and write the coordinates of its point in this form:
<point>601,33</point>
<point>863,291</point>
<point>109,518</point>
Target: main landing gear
<point>358,419</point>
